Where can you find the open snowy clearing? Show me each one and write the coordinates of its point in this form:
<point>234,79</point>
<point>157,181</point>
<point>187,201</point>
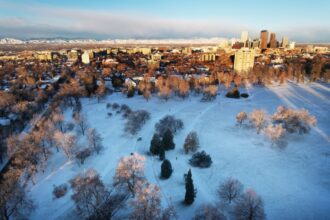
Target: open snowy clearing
<point>294,182</point>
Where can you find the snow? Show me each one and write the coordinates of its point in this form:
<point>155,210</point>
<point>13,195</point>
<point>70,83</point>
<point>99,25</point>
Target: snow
<point>293,182</point>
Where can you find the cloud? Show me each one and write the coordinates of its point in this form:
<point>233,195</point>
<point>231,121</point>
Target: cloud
<point>45,22</point>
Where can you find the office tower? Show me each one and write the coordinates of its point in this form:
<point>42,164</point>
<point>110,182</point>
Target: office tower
<point>244,37</point>
<point>244,60</point>
<point>263,39</point>
<point>285,42</point>
<point>273,41</point>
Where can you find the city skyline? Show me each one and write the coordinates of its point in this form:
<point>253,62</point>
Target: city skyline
<point>300,21</point>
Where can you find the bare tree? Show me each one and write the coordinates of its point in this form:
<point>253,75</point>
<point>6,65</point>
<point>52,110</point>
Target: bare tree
<point>191,142</point>
<point>147,202</point>
<point>240,118</point>
<point>81,121</point>
<point>93,200</point>
<point>136,120</point>
<point>208,212</point>
<point>183,88</point>
<point>250,206</point>
<point>168,122</point>
<point>130,171</point>
<point>14,201</point>
<point>94,140</point>
<point>230,190</point>
<point>258,118</point>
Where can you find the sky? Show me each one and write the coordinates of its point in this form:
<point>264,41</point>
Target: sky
<point>300,20</point>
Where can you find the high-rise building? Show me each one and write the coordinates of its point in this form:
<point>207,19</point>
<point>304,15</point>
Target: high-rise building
<point>263,39</point>
<point>244,60</point>
<point>85,58</point>
<point>244,37</point>
<point>292,45</point>
<point>273,41</point>
<point>255,43</point>
<point>285,42</point>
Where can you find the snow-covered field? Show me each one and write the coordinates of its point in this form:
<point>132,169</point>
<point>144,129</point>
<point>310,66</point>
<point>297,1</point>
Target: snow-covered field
<point>294,182</point>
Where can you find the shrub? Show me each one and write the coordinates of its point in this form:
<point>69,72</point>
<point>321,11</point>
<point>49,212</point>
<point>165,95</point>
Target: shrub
<point>109,114</point>
<point>115,106</point>
<point>244,95</point>
<point>108,105</point>
<point>200,159</point>
<point>234,93</point>
<point>60,190</point>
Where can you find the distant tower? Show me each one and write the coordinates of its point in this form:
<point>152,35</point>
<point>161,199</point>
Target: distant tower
<point>244,37</point>
<point>285,42</point>
<point>273,41</point>
<point>263,39</point>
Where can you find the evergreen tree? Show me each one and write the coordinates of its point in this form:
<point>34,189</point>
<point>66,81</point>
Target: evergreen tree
<point>166,169</point>
<point>161,153</point>
<point>167,141</point>
<point>190,190</point>
<point>155,144</point>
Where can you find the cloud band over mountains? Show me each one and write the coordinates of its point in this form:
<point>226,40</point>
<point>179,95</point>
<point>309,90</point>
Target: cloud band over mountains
<point>52,22</point>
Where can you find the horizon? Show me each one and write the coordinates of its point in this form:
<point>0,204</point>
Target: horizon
<point>158,20</point>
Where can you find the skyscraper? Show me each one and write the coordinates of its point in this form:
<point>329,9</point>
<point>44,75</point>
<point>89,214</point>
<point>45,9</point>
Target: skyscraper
<point>263,39</point>
<point>273,41</point>
<point>285,42</point>
<point>244,37</point>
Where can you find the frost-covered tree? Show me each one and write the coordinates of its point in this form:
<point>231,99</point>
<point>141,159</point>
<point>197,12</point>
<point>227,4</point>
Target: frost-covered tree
<point>94,140</point>
<point>147,202</point>
<point>166,169</point>
<point>191,192</point>
<point>274,132</point>
<point>191,143</point>
<point>294,120</point>
<point>66,141</point>
<point>240,118</point>
<point>208,212</point>
<point>129,171</point>
<point>258,118</point>
<point>250,206</point>
<point>230,190</point>
<point>81,121</point>
<point>167,140</point>
<point>89,193</point>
